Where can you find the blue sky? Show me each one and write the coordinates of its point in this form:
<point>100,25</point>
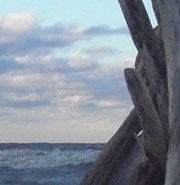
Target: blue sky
<point>61,70</point>
<point>68,11</point>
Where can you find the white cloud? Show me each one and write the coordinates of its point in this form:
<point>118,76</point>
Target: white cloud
<point>79,63</point>
<point>101,51</point>
<point>58,94</point>
<point>21,33</point>
<point>77,99</point>
<point>18,22</point>
<point>108,103</point>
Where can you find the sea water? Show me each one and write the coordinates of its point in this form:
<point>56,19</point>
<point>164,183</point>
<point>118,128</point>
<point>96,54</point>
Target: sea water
<point>46,164</point>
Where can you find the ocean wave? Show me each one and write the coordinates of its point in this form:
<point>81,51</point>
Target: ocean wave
<point>28,158</point>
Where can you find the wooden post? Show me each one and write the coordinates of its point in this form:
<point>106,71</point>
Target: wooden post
<point>118,161</point>
<point>147,43</point>
<point>170,15</point>
<point>154,141</point>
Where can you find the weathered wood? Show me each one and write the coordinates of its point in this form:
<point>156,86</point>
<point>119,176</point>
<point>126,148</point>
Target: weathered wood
<point>153,133</point>
<point>170,16</point>
<point>118,162</point>
<point>150,97</point>
<point>149,173</point>
<point>143,34</point>
<point>156,10</point>
<point>139,66</point>
<point>149,47</point>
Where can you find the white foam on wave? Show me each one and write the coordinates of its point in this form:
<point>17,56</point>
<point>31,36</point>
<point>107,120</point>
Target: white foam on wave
<point>29,158</point>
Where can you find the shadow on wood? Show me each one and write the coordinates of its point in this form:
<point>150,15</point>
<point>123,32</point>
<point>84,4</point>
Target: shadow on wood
<point>120,158</point>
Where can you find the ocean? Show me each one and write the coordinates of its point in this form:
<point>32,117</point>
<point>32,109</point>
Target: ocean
<point>46,164</point>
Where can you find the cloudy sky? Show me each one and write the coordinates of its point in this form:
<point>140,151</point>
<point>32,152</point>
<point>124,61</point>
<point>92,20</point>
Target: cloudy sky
<point>61,70</point>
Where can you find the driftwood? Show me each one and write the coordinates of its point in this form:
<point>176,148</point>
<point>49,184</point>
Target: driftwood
<point>153,134</point>
<point>152,157</point>
<point>121,156</point>
<point>147,44</point>
<point>170,15</point>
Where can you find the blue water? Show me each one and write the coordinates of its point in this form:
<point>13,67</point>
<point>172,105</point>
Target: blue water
<point>46,164</point>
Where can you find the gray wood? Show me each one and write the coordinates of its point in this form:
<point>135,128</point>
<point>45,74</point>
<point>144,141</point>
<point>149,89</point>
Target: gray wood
<point>153,134</point>
<point>157,104</point>
<point>156,10</point>
<point>170,16</point>
<point>139,66</point>
<point>149,48</point>
<point>118,161</point>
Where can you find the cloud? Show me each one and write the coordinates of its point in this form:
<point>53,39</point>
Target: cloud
<point>102,51</point>
<point>43,86</point>
<point>71,82</point>
<point>17,23</point>
<point>78,63</point>
<point>108,103</point>
<point>24,104</point>
<point>63,100</point>
<point>21,33</point>
<point>105,30</point>
<point>8,64</point>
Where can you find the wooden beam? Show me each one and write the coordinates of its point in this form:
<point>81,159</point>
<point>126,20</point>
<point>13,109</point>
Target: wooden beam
<point>147,43</point>
<point>155,5</point>
<point>139,67</point>
<point>150,49</point>
<point>154,137</point>
<point>170,16</point>
<point>119,159</point>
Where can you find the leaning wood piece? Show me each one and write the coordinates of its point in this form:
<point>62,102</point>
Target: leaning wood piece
<point>147,45</point>
<point>170,16</point>
<point>118,162</point>
<point>156,10</point>
<point>139,67</point>
<point>143,34</point>
<point>153,133</point>
<point>149,173</point>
